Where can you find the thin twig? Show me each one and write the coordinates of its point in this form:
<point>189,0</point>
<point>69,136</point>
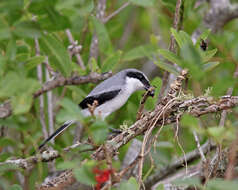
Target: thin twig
<point>78,56</point>
<point>116,12</point>
<point>199,146</point>
<point>41,98</point>
<point>50,107</point>
<point>100,12</point>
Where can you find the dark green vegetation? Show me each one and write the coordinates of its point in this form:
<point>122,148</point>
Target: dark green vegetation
<point>37,32</point>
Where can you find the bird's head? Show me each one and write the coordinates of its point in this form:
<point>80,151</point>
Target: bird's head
<point>138,80</point>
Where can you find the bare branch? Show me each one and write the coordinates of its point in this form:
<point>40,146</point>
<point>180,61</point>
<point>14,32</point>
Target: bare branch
<point>74,80</point>
<point>199,147</point>
<point>77,54</point>
<point>100,12</point>
<point>50,106</point>
<point>116,12</point>
<point>41,98</point>
<point>5,109</point>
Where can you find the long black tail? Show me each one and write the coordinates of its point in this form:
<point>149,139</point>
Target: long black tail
<point>57,132</point>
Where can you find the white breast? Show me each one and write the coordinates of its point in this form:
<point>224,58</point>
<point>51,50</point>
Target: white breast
<point>108,107</point>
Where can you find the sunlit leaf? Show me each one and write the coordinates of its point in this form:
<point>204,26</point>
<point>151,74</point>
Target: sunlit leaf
<point>139,52</point>
<point>144,3</point>
<point>85,173</point>
<point>220,184</point>
<point>27,29</point>
<point>15,187</point>
<point>34,61</point>
<point>59,56</point>
<point>170,56</point>
<point>98,131</point>
<point>210,65</point>
<point>105,45</point>
<point>129,185</point>
<point>111,61</point>
<point>167,67</point>
<point>207,55</point>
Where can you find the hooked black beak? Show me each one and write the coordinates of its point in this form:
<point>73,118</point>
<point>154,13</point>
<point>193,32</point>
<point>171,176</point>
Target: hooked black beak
<point>151,91</point>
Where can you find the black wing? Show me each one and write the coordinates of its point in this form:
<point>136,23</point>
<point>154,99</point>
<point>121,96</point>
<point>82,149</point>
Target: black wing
<point>101,98</point>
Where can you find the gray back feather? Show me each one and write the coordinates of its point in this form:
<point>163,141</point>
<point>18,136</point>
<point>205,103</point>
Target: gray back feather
<point>113,83</point>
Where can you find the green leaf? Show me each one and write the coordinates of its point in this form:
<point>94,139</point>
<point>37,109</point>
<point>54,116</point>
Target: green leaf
<point>219,184</point>
<point>170,56</point>
<point>9,86</point>
<point>143,3</point>
<point>177,37</point>
<point>27,29</point>
<point>34,61</point>
<point>15,187</point>
<point>71,111</point>
<point>207,55</point>
<point>129,185</point>
<point>181,37</point>
<point>160,187</point>
<point>85,173</point>
<point>192,60</point>
<point>94,64</point>
<point>203,36</point>
<point>185,38</point>
<point>68,164</point>
<point>188,182</point>
<point>190,122</point>
<point>98,131</point>
<point>5,31</point>
<point>167,67</point>
<point>10,5</point>
<point>83,8</point>
<point>3,64</point>
<point>21,103</point>
<point>59,57</point>
<point>140,52</point>
<point>105,45</point>
<point>54,21</point>
<point>218,133</point>
<point>41,6</point>
<point>11,50</point>
<point>210,65</point>
<point>111,61</point>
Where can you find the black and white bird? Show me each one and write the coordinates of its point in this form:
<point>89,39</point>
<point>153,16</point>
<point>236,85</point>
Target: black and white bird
<point>110,95</point>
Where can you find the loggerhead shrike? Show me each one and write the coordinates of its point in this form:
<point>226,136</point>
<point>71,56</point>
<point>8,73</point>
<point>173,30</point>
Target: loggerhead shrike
<point>110,95</point>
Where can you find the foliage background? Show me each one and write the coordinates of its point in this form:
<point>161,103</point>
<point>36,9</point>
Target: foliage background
<point>132,38</point>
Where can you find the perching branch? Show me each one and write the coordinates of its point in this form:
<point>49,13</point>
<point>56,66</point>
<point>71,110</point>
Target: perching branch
<point>74,80</point>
